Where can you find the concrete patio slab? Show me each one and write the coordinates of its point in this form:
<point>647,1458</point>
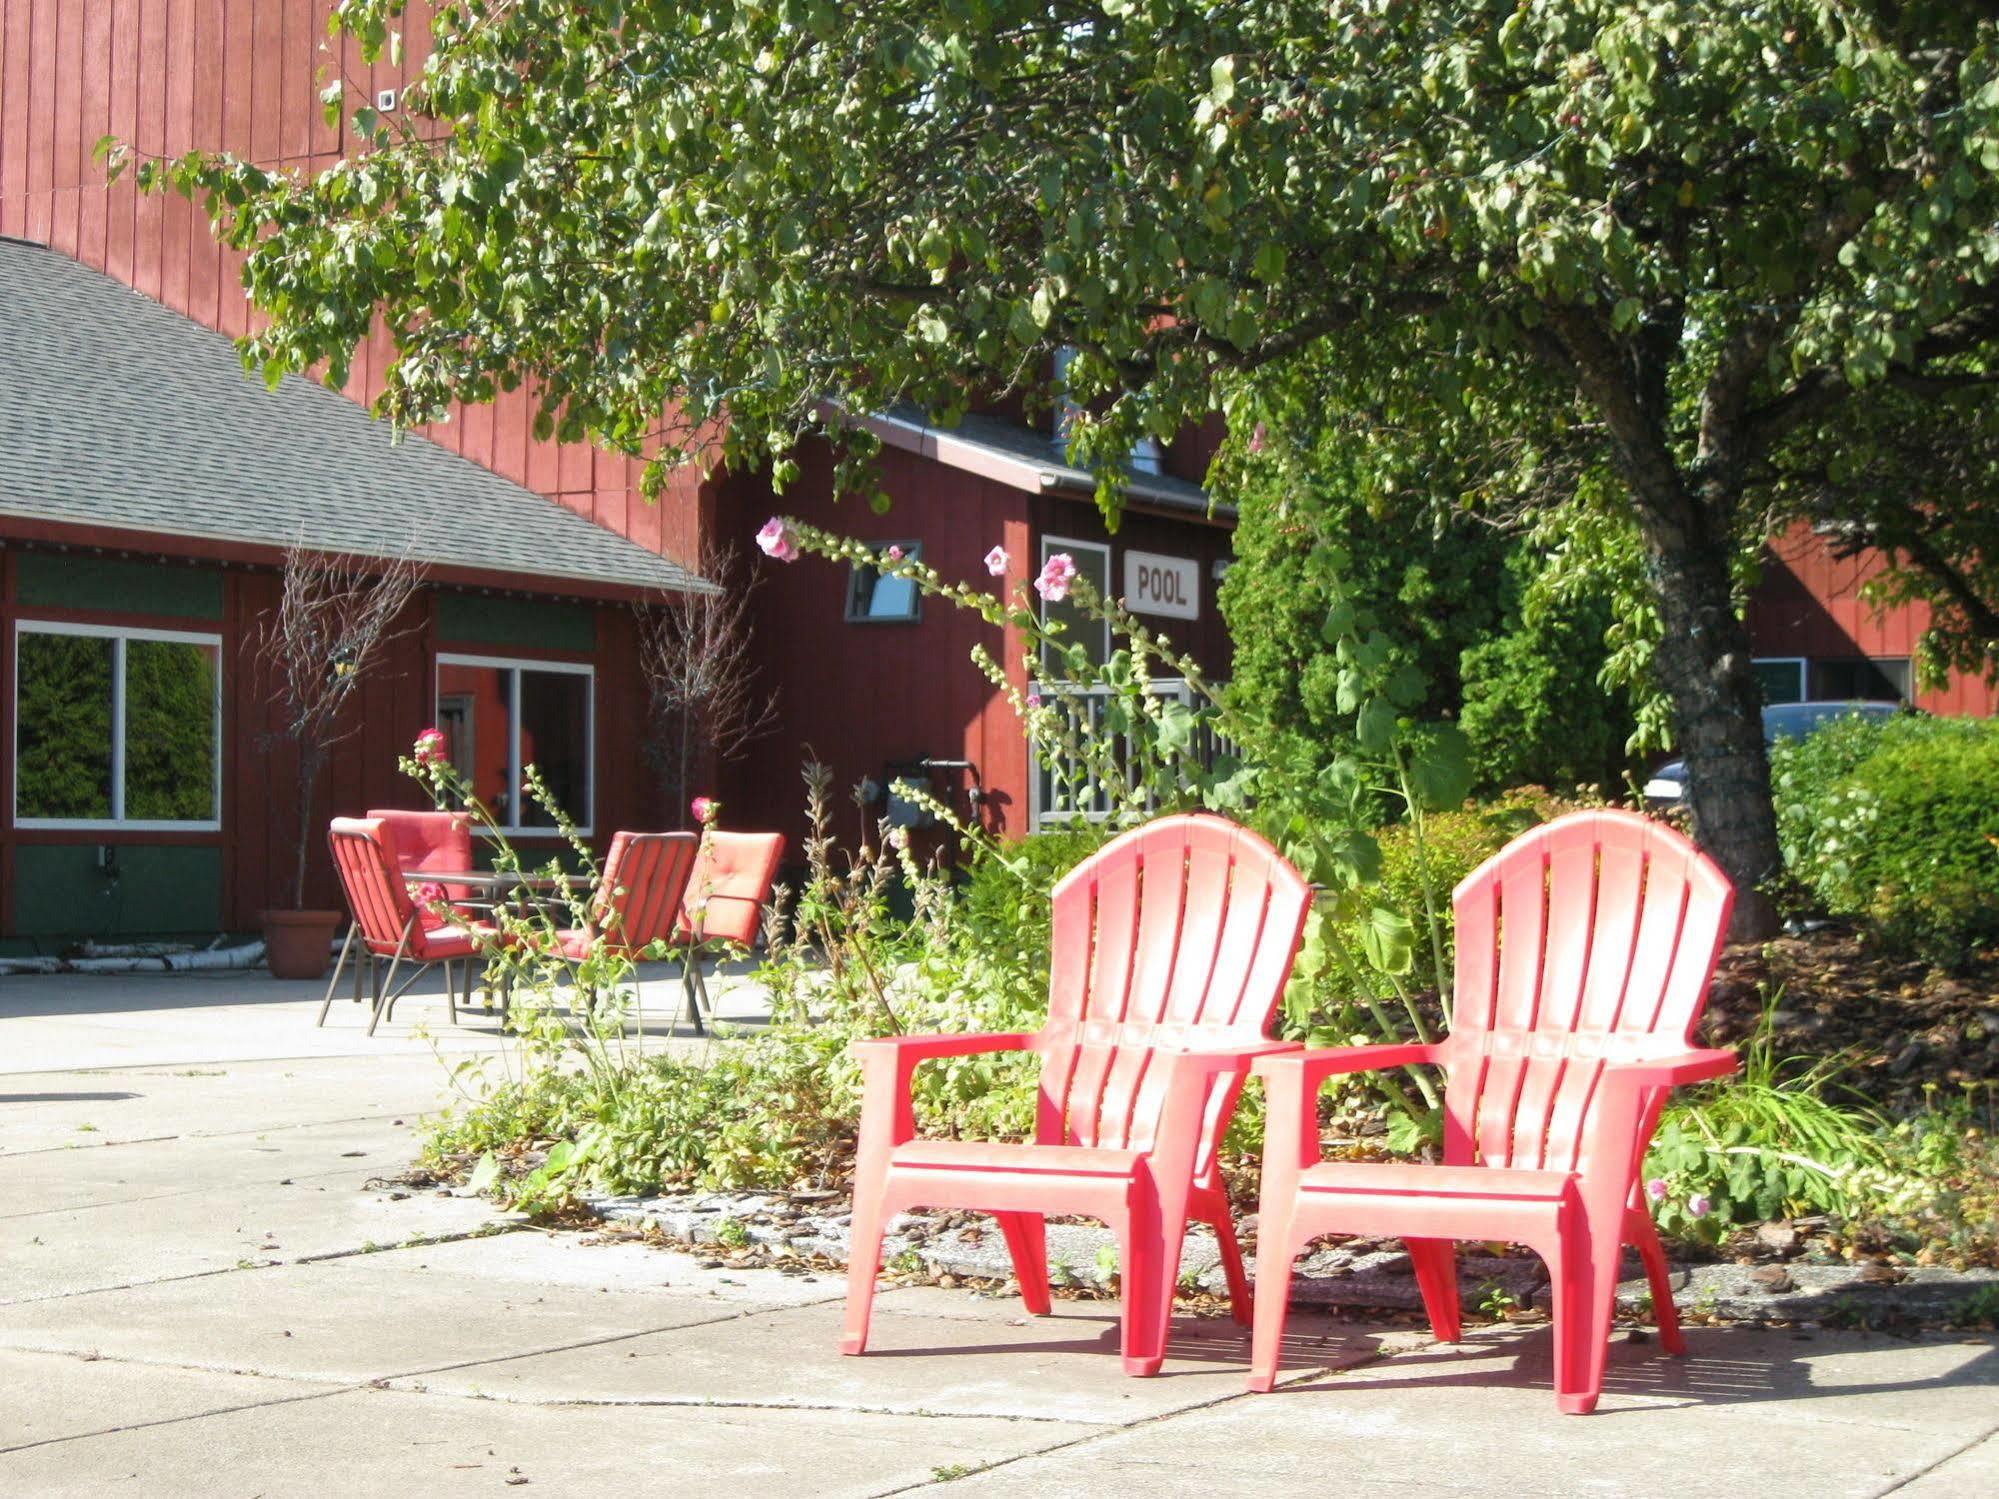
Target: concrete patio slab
<point>90,1110</point>
<point>999,1363</point>
<point>1972,1471</point>
<point>1431,1423</point>
<point>55,1397</point>
<point>540,1258</point>
<point>345,1321</point>
<point>370,1442</point>
<point>198,1233</point>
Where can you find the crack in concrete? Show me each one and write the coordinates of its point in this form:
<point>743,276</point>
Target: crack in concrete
<point>1119,1429</point>
<point>1949,1457</point>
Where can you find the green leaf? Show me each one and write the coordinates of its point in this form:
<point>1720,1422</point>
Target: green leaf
<point>1388,939</point>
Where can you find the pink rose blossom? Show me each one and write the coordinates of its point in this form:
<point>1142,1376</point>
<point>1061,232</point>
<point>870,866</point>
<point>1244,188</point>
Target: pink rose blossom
<point>1698,1205</point>
<point>776,541</point>
<point>429,747</point>
<point>705,809</point>
<point>1656,1189</point>
<point>996,562</point>
<point>894,554</point>
<point>1056,574</point>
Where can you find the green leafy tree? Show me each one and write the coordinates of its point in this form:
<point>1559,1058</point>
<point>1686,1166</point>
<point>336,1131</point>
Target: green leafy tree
<point>1679,235</point>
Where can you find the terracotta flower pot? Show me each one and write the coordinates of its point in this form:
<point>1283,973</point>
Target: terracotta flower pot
<point>298,944</point>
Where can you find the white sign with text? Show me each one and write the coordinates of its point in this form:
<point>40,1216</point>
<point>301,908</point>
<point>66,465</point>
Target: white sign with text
<point>1154,584</point>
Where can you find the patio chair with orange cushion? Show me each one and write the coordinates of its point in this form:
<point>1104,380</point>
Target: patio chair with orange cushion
<point>390,923</point>
<point>429,842</point>
<point>639,894</point>
<point>1584,950</point>
<point>1171,946</point>
<point>732,878</point>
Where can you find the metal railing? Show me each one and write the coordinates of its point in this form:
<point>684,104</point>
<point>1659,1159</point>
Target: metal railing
<point>1064,793</point>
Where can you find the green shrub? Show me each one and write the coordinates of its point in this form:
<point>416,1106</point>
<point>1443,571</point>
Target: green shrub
<point>1895,823</point>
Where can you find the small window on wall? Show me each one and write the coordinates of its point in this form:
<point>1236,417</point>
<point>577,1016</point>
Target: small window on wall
<point>117,728</point>
<point>1782,678</point>
<point>1093,563</point>
<point>501,716</point>
<point>1860,680</point>
<point>875,597</point>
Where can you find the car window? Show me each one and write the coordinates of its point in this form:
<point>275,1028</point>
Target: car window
<point>1796,720</point>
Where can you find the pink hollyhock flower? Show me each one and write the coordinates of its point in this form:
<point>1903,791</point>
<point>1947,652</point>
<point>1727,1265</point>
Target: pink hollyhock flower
<point>1698,1205</point>
<point>1656,1189</point>
<point>429,747</point>
<point>894,554</point>
<point>776,542</point>
<point>996,561</point>
<point>1034,700</point>
<point>898,838</point>
<point>705,809</point>
<point>429,893</point>
<point>1256,439</point>
<point>1056,574</point>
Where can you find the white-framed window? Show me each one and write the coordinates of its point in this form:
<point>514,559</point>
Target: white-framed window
<point>1093,561</point>
<point>875,597</point>
<point>500,715</point>
<point>117,727</point>
<point>1781,677</point>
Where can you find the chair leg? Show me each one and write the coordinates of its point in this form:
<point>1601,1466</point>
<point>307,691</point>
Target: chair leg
<point>1584,1278</point>
<point>385,993</point>
<point>1274,1253</point>
<point>864,1257</point>
<point>1150,1245</point>
<point>688,972</point>
<point>1027,1241</point>
<point>1242,1305</point>
<point>1642,1236</point>
<point>701,990</point>
<point>334,983</point>
<point>1436,1264</point>
<point>367,959</point>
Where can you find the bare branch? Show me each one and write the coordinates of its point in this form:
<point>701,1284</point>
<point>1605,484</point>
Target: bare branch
<point>701,678</point>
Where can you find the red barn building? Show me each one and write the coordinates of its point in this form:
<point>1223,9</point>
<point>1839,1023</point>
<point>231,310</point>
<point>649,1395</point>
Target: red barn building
<point>147,490</point>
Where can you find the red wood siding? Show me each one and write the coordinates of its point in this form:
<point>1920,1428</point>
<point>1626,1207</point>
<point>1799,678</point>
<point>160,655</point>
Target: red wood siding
<point>1809,604</point>
<point>259,768</point>
<point>863,696</point>
<point>244,76</point>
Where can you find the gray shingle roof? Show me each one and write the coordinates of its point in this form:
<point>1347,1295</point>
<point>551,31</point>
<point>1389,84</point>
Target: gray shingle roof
<point>117,412</point>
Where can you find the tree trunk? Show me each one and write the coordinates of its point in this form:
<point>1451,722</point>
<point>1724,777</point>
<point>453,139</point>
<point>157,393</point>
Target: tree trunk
<point>1704,663</point>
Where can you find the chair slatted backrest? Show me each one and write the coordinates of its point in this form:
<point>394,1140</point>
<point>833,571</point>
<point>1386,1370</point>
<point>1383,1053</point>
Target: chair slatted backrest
<point>731,881</point>
<point>1177,936</point>
<point>644,881</point>
<point>426,842</point>
<point>374,885</point>
<point>1589,938</point>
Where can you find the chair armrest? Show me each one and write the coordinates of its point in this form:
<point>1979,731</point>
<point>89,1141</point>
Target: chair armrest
<point>888,1118</point>
<point>1311,1066</point>
<point>1674,1070</point>
<point>952,1044</point>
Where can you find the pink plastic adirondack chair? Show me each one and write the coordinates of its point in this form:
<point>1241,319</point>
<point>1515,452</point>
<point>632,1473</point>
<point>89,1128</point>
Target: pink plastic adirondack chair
<point>1171,946</point>
<point>1584,952</point>
<point>733,873</point>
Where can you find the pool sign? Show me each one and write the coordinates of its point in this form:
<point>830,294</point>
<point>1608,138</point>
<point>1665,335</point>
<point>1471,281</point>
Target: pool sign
<point>1162,585</point>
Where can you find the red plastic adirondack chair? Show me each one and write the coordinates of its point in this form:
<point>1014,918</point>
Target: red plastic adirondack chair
<point>1584,952</point>
<point>724,902</point>
<point>639,893</point>
<point>1172,944</point>
<point>388,922</point>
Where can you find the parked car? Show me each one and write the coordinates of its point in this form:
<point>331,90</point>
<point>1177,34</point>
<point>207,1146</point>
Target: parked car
<point>1780,721</point>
